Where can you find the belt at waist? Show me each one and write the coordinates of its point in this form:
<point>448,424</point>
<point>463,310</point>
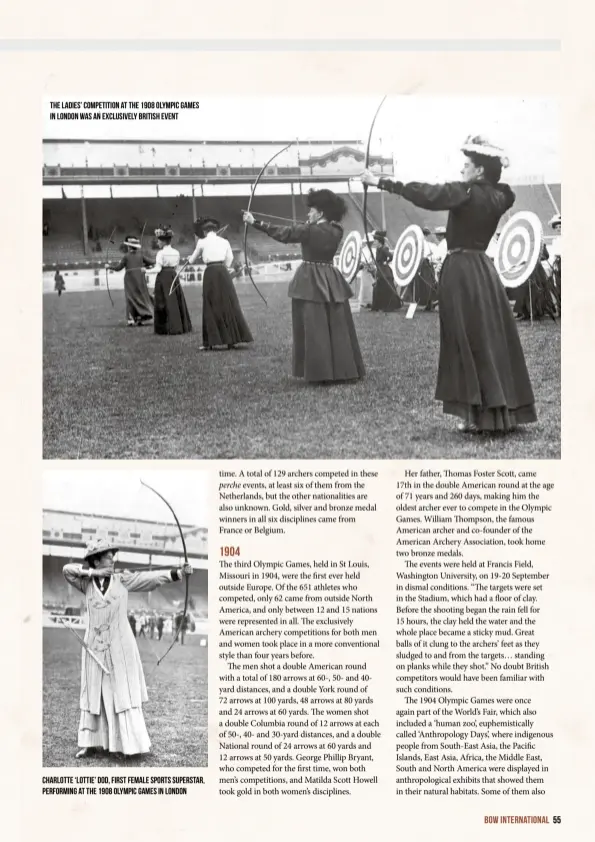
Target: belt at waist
<point>465,251</point>
<point>215,263</point>
<point>318,262</point>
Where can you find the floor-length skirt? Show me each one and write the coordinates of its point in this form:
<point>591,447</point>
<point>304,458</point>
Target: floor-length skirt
<point>325,344</point>
<point>385,297</point>
<point>138,300</point>
<point>223,321</point>
<point>171,311</point>
<point>482,374</point>
<point>124,732</point>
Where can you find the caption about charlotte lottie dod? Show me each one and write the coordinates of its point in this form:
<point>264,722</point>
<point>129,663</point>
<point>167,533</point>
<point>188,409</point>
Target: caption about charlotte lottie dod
<point>129,109</point>
<point>118,784</point>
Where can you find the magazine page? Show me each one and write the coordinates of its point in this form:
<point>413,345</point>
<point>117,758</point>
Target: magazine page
<point>313,524</point>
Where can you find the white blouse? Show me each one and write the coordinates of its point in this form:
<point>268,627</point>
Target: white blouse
<point>213,249</point>
<point>167,257</point>
<point>555,249</point>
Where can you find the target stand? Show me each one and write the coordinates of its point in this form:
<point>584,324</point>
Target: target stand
<point>519,249</point>
<point>349,265</point>
<point>350,256</point>
<point>407,258</point>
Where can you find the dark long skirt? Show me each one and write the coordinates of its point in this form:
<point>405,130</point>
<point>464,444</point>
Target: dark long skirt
<point>171,313</point>
<point>536,297</point>
<point>138,300</point>
<point>482,374</point>
<point>223,322</point>
<point>325,345</point>
<point>385,296</point>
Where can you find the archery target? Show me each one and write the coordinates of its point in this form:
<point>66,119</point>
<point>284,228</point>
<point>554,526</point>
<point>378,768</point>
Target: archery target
<point>409,252</point>
<point>519,248</point>
<point>349,259</point>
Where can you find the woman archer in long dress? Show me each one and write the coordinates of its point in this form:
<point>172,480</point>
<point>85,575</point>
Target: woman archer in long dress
<point>223,322</point>
<point>112,695</point>
<point>556,258</point>
<point>325,345</point>
<point>139,308</point>
<point>171,311</point>
<point>385,297</point>
<point>482,374</point>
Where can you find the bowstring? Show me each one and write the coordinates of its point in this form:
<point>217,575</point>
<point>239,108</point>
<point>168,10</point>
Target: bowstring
<point>156,556</point>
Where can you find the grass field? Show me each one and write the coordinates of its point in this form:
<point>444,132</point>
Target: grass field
<point>113,392</point>
<point>176,713</point>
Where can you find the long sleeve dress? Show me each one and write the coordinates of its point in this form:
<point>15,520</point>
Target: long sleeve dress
<point>556,263</point>
<point>138,300</point>
<point>171,312</point>
<point>111,705</point>
<point>385,296</point>
<point>223,321</point>
<point>482,374</point>
<point>422,289</point>
<point>325,345</point>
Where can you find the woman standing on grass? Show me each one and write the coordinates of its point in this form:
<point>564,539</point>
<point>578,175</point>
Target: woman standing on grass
<point>171,312</point>
<point>139,310</point>
<point>385,297</point>
<point>223,323</point>
<point>325,346</point>
<point>556,258</point>
<point>482,374</point>
<point>112,695</point>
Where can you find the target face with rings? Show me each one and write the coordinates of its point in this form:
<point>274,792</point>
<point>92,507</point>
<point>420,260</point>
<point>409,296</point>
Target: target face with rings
<point>409,252</point>
<point>519,248</point>
<point>350,257</point>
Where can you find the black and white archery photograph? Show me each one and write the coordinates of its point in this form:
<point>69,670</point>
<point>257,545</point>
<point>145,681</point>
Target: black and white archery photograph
<point>303,277</point>
<point>125,619</point>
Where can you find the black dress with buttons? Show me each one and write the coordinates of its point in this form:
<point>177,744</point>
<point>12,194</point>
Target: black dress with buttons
<point>482,373</point>
<point>325,344</point>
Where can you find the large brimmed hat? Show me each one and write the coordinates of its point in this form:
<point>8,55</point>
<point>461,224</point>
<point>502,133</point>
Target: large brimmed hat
<point>164,232</point>
<point>132,242</point>
<point>99,546</point>
<point>481,146</point>
<point>556,221</point>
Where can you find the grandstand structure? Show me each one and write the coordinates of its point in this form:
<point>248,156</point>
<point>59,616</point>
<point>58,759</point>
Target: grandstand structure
<point>92,188</point>
<point>143,543</point>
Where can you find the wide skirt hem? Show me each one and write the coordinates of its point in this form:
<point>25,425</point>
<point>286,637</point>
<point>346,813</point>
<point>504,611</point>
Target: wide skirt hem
<point>325,345</point>
<point>491,419</point>
<point>223,322</point>
<point>123,732</point>
<point>171,311</point>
